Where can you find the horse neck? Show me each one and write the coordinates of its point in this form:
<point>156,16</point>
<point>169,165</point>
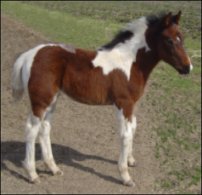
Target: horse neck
<point>143,66</point>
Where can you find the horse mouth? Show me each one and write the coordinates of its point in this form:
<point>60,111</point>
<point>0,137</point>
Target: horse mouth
<point>184,71</point>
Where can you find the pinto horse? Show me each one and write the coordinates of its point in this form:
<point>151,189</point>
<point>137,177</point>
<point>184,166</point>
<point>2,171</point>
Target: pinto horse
<point>115,74</point>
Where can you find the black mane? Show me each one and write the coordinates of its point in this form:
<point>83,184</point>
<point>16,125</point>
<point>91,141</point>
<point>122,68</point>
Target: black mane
<point>154,20</point>
<point>121,37</point>
<point>124,35</point>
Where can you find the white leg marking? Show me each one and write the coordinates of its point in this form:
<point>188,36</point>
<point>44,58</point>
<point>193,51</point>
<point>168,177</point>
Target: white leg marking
<point>32,129</point>
<point>45,141</point>
<point>126,134</point>
<point>131,160</point>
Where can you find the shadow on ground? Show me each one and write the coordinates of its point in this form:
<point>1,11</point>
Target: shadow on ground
<point>13,152</point>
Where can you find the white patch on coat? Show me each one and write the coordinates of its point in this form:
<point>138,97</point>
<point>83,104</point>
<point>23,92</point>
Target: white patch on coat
<point>124,54</point>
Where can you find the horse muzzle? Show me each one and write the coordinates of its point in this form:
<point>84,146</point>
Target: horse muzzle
<point>186,69</point>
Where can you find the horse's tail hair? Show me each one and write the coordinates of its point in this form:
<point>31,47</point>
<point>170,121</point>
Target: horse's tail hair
<point>17,80</point>
<point>21,72</point>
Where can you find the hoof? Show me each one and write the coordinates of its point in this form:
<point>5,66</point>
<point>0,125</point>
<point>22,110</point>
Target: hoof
<point>132,164</point>
<point>58,172</point>
<point>34,180</point>
<point>32,175</point>
<point>129,183</point>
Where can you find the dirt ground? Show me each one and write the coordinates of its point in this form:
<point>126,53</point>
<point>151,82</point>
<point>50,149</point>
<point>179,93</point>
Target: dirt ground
<point>85,138</point>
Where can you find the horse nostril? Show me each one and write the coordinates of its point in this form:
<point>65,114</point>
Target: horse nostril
<point>185,70</point>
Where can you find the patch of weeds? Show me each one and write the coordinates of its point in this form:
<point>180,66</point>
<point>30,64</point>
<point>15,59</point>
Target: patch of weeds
<point>167,183</point>
<point>157,150</point>
<point>196,176</point>
<point>180,175</point>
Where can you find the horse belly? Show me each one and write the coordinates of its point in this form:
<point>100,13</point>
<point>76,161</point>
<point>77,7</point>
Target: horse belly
<point>87,88</point>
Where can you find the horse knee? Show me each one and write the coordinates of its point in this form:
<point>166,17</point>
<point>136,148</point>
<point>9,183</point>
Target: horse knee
<point>32,127</point>
<point>45,128</point>
<point>126,138</point>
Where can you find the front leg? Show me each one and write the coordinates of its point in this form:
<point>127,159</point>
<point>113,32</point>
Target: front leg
<point>126,135</point>
<point>131,160</point>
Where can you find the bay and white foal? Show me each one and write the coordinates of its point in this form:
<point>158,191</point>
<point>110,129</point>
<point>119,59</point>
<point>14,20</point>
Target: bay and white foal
<point>115,74</point>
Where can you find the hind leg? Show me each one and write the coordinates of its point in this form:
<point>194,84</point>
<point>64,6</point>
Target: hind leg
<point>32,128</point>
<point>45,142</point>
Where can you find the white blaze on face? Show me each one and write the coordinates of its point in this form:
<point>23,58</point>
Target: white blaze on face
<point>124,54</point>
<point>190,66</point>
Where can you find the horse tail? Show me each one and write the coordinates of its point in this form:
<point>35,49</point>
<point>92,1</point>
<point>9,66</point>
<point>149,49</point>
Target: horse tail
<point>17,80</point>
<point>21,72</point>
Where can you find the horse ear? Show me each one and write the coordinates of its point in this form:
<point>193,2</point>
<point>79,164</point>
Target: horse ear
<point>167,20</point>
<point>176,17</point>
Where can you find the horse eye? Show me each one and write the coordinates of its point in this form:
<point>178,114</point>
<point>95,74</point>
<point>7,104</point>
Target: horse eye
<point>169,41</point>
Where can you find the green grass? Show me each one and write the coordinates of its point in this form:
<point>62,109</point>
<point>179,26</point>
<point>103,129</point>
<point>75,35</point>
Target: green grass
<point>122,11</point>
<point>63,21</point>
<point>176,100</point>
<point>60,26</point>
<point>179,131</point>
<point>181,175</point>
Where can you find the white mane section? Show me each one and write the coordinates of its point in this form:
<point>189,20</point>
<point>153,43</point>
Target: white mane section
<point>124,54</point>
